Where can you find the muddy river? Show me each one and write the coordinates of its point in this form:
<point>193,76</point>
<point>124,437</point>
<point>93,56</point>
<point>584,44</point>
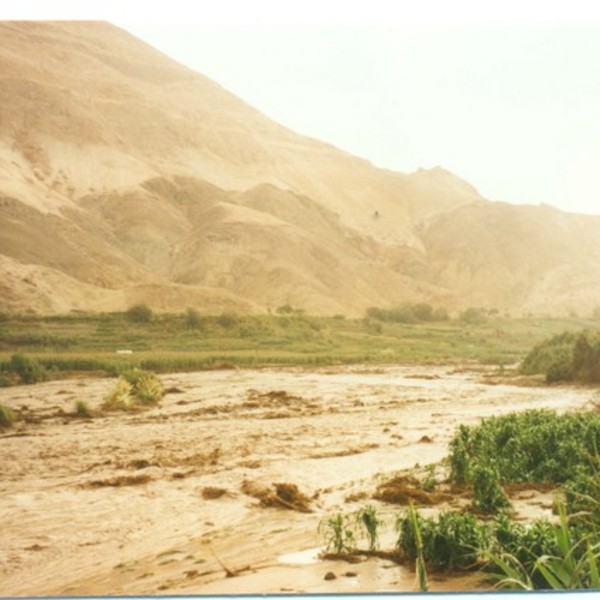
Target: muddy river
<point>165,501</point>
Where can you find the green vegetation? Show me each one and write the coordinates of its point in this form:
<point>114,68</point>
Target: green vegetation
<point>537,446</point>
<point>532,446</point>
<point>27,370</point>
<point>134,389</point>
<point>370,523</point>
<point>146,387</point>
<point>193,319</point>
<point>121,397</point>
<point>544,556</point>
<point>488,495</point>
<point>114,342</point>
<point>449,541</point>
<point>409,313</point>
<point>569,356</point>
<point>415,534</point>
<point>82,410</point>
<point>338,533</point>
<point>140,313</point>
<point>7,417</point>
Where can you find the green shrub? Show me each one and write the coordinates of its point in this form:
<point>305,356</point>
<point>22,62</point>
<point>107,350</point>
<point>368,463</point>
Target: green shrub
<point>450,541</point>
<point>139,313</point>
<point>460,458</point>
<point>566,357</point>
<point>228,320</point>
<point>533,446</point>
<point>284,309</point>
<point>6,380</point>
<point>7,417</point>
<point>582,494</point>
<point>28,369</point>
<point>488,495</point>
<point>193,319</point>
<point>82,410</point>
<point>473,316</point>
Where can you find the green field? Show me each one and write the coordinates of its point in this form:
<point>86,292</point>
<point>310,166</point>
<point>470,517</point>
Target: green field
<point>94,343</point>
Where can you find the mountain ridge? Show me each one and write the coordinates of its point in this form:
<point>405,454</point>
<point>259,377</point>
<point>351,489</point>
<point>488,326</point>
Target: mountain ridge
<point>127,177</point>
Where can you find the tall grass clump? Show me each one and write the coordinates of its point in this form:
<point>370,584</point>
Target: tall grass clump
<point>146,387</point>
<point>368,520</point>
<point>7,417</point>
<point>82,410</point>
<point>133,389</point>
<point>120,397</point>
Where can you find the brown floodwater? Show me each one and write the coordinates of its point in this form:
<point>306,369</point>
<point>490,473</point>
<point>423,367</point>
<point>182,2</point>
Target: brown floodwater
<point>163,501</point>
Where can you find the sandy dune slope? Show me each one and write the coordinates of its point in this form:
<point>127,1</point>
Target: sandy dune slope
<point>124,170</point>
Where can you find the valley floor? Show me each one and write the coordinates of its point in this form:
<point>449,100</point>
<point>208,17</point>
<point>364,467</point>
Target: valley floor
<point>165,501</point>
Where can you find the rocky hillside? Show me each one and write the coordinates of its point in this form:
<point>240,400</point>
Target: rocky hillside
<point>126,177</point>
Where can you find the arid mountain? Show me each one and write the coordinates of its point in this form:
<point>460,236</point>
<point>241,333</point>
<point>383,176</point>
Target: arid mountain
<point>126,177</point>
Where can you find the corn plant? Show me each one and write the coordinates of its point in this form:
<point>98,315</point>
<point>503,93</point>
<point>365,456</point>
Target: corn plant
<point>338,533</point>
<point>367,519</point>
<point>572,563</point>
<point>582,493</point>
<point>420,560</point>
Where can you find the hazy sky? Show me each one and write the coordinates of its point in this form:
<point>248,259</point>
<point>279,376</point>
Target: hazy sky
<point>504,94</point>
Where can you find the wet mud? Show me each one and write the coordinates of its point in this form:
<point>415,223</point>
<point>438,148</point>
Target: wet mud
<point>210,491</point>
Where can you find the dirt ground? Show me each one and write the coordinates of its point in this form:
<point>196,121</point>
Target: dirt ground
<point>167,501</point>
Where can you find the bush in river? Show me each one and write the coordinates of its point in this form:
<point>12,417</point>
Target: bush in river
<point>120,398</point>
<point>82,410</point>
<point>7,417</point>
<point>146,387</point>
<point>135,388</point>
